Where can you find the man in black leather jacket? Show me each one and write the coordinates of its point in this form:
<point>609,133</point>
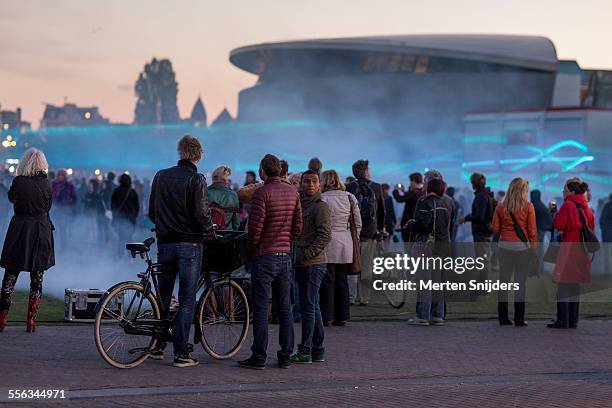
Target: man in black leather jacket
<point>179,208</point>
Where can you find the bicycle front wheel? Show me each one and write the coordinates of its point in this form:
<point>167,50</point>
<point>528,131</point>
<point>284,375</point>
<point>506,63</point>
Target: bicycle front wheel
<point>223,319</point>
<point>119,310</point>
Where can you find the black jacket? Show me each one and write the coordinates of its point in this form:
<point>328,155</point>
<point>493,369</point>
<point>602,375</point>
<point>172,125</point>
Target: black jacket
<point>390,217</point>
<point>369,231</point>
<point>28,245</point>
<point>178,205</point>
<point>424,218</point>
<point>543,216</point>
<point>125,204</point>
<point>482,214</point>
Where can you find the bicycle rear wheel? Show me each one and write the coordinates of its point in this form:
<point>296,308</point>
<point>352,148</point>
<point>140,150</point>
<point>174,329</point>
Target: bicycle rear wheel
<point>116,311</point>
<point>223,319</point>
<point>395,298</point>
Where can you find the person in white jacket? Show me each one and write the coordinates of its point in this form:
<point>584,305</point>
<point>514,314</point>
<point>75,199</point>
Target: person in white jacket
<point>334,301</point>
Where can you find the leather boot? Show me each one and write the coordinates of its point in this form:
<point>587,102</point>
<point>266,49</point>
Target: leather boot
<point>3,319</point>
<point>502,312</point>
<point>33,305</point>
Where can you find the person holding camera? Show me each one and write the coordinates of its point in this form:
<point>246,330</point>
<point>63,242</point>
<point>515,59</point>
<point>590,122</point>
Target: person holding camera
<point>573,266</point>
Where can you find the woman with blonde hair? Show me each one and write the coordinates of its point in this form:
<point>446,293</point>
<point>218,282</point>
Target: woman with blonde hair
<point>514,219</point>
<point>334,299</point>
<point>28,245</point>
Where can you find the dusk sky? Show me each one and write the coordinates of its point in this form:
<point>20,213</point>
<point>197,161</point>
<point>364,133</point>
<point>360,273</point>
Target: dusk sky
<point>91,52</point>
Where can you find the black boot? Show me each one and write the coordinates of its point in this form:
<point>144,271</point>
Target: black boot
<point>574,312</point>
<point>502,312</point>
<point>519,314</point>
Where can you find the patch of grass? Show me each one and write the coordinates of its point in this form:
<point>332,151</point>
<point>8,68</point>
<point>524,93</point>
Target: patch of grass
<point>51,308</point>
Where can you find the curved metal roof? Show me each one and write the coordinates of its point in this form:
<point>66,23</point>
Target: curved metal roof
<point>522,51</point>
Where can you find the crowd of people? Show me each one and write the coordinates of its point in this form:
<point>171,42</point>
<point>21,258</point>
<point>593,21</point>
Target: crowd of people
<point>312,239</point>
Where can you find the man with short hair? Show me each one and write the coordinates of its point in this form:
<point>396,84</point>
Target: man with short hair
<point>372,208</point>
<point>310,268</point>
<point>481,218</point>
<point>410,198</point>
<point>390,218</point>
<point>315,164</point>
<point>275,221</point>
<point>179,208</point>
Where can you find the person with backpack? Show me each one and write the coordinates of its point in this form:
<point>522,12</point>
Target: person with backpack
<point>481,217</point>
<point>125,207</point>
<point>574,221</point>
<point>515,222</point>
<point>372,209</point>
<point>223,199</point>
<point>432,228</point>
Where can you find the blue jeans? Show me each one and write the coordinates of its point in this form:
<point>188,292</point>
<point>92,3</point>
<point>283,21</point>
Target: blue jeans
<point>430,302</point>
<point>309,280</point>
<point>265,270</point>
<point>184,259</point>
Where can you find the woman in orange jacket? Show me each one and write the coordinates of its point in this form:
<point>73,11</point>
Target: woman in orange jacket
<point>513,252</point>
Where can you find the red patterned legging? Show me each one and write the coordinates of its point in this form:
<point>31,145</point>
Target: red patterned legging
<point>8,288</point>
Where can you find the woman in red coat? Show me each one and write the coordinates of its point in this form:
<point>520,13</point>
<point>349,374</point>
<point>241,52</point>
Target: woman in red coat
<point>573,265</point>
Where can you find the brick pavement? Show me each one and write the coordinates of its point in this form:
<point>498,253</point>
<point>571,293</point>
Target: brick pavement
<point>460,364</point>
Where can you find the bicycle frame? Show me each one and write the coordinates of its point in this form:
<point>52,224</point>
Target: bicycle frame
<point>149,281</point>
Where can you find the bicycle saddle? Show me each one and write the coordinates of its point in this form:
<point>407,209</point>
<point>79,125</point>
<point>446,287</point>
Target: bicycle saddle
<point>140,246</point>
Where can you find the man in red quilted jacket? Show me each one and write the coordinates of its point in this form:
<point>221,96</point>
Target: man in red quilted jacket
<point>275,220</point>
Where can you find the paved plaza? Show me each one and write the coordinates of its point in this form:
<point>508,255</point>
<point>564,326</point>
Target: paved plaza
<point>462,364</point>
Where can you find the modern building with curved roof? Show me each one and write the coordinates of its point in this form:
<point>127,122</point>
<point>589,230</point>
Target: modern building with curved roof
<point>426,82</point>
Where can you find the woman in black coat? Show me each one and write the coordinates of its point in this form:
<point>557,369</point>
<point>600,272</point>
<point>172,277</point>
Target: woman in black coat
<point>125,206</point>
<point>29,240</point>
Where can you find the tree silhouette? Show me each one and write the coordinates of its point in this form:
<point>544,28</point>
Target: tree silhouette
<point>156,89</point>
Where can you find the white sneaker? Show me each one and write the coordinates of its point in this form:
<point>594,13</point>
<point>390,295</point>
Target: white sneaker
<point>418,322</point>
<point>437,321</point>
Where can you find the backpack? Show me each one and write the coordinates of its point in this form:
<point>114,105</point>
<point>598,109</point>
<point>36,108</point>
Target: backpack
<point>366,199</point>
<point>217,216</point>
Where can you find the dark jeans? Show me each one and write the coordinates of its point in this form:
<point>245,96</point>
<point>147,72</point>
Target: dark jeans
<point>512,263</point>
<point>482,249</point>
<point>184,259</point>
<point>265,271</point>
<point>335,294</point>
<point>568,303</point>
<point>309,281</point>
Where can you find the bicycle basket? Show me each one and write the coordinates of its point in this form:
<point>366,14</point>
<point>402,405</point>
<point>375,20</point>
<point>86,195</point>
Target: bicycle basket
<point>225,253</point>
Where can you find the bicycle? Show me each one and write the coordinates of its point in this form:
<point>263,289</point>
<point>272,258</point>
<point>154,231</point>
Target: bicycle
<point>129,323</point>
<point>395,298</point>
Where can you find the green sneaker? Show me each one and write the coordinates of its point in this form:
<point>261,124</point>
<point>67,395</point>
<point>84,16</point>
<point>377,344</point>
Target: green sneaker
<point>318,358</point>
<point>301,358</point>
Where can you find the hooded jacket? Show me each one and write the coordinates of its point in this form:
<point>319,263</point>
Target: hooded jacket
<point>542,214</point>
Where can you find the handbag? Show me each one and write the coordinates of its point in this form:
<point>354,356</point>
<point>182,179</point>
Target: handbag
<point>590,243</point>
<point>533,264</point>
<point>355,266</point>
